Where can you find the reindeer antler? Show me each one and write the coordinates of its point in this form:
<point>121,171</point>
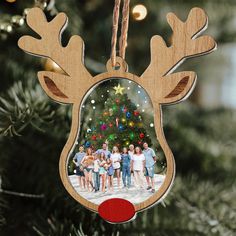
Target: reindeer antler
<point>69,58</point>
<point>185,44</point>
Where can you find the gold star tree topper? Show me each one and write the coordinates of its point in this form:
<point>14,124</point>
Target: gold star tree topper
<point>119,89</point>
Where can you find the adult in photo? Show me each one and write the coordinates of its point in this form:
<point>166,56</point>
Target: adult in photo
<point>79,168</point>
<point>131,153</point>
<point>104,150</point>
<point>126,174</point>
<point>131,150</point>
<point>150,160</point>
<point>137,166</point>
<point>116,159</point>
<point>88,164</point>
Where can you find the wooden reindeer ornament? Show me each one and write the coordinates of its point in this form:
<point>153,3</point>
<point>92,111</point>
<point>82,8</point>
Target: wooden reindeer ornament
<point>162,85</point>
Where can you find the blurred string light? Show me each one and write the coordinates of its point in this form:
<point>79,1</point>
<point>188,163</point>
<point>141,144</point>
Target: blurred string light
<point>10,1</point>
<point>139,12</point>
<point>17,21</point>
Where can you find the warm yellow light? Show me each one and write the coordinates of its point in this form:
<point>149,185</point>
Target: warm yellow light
<point>139,12</point>
<point>11,1</point>
<point>52,66</point>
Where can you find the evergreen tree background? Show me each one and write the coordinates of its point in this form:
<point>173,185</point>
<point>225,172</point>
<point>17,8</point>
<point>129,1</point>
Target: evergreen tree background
<point>35,129</point>
<point>119,122</point>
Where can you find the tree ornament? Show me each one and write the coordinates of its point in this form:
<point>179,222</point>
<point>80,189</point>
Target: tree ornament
<point>111,137</point>
<point>136,113</point>
<point>131,124</point>
<point>110,112</point>
<point>89,130</point>
<point>142,135</point>
<point>131,136</point>
<point>103,127</point>
<point>117,122</point>
<point>158,80</point>
<point>114,107</point>
<point>87,144</point>
<point>128,114</point>
<point>121,127</point>
<point>119,89</point>
<point>94,137</point>
<point>127,143</point>
<point>124,109</point>
<point>123,120</point>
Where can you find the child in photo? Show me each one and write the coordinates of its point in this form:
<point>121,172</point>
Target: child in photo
<point>138,165</point>
<point>102,170</point>
<point>110,173</point>
<point>126,173</point>
<point>96,174</point>
<point>88,164</point>
<point>116,159</point>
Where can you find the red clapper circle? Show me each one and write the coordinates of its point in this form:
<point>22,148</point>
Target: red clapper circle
<point>116,210</point>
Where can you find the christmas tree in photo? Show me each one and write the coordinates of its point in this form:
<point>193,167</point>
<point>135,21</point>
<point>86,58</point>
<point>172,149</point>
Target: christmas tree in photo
<point>119,122</point>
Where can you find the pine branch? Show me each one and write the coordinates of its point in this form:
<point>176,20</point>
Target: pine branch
<point>22,107</point>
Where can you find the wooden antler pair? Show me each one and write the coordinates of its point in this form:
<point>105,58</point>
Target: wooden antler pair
<point>162,86</point>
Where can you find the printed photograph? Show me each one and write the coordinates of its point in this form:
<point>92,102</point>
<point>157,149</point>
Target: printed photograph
<point>117,153</point>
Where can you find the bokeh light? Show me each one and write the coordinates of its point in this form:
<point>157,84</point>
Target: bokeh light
<point>139,12</point>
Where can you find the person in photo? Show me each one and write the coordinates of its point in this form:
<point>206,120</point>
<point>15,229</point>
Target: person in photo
<point>104,150</point>
<point>96,174</point>
<point>110,173</point>
<point>102,170</point>
<point>137,166</point>
<point>150,160</point>
<point>126,173</point>
<point>131,153</point>
<point>116,159</point>
<point>88,165</point>
<point>131,150</point>
<point>79,168</point>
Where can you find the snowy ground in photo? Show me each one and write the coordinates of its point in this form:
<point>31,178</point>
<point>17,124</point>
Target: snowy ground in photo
<point>133,194</point>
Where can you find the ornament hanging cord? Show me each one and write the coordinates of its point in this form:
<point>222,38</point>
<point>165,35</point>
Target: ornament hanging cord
<point>124,30</point>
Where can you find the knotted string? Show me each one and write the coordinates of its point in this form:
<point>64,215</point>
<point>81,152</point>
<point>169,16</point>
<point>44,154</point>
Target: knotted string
<point>124,30</point>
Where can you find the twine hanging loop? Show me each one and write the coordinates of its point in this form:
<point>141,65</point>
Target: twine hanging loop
<point>124,30</point>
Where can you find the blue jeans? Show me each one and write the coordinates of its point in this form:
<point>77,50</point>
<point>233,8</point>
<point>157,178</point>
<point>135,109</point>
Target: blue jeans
<point>126,174</point>
<point>96,180</point>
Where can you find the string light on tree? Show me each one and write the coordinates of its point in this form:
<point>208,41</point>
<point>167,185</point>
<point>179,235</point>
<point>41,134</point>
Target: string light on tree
<point>139,12</point>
